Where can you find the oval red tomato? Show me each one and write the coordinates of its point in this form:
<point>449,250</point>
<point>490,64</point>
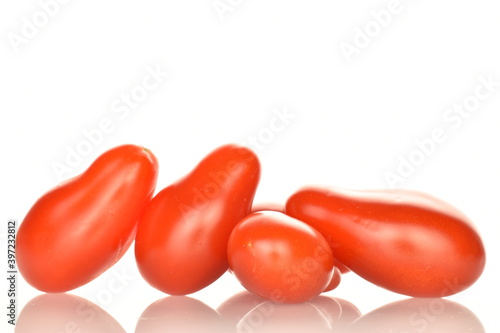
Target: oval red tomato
<point>182,238</point>
<point>405,241</point>
<point>280,258</point>
<point>79,229</point>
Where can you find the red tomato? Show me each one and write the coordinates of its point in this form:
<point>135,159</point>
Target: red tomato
<point>182,238</point>
<point>405,241</point>
<point>280,258</point>
<point>79,229</point>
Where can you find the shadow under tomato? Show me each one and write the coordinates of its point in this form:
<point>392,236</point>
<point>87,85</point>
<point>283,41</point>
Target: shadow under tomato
<point>180,314</point>
<point>49,313</point>
<point>430,315</point>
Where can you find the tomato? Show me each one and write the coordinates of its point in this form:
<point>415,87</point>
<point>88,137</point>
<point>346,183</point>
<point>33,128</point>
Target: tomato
<point>49,313</point>
<point>433,315</point>
<point>79,229</point>
<point>280,258</point>
<point>182,238</point>
<point>340,268</point>
<point>180,314</point>
<point>405,241</point>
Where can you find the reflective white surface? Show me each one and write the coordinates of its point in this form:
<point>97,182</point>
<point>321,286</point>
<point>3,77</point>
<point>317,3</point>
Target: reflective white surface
<point>245,312</point>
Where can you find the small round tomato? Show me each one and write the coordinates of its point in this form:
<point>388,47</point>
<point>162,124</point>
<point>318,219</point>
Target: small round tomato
<point>280,258</point>
<point>79,229</point>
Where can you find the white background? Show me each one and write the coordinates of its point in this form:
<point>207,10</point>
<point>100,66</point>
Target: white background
<point>352,118</point>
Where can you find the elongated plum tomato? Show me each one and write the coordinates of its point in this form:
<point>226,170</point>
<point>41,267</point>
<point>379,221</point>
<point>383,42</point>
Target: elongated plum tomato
<point>405,241</point>
<point>280,258</point>
<point>79,229</point>
<point>182,238</point>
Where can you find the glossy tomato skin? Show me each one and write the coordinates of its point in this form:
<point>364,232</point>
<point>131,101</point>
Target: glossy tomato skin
<point>280,258</point>
<point>405,241</point>
<point>182,238</point>
<point>275,207</point>
<point>79,229</point>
